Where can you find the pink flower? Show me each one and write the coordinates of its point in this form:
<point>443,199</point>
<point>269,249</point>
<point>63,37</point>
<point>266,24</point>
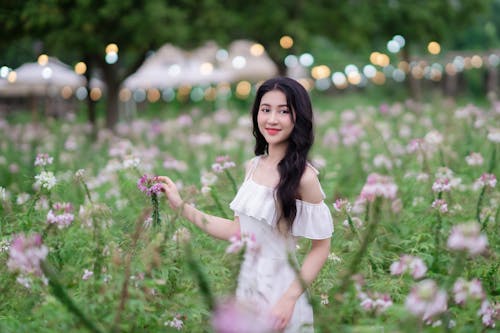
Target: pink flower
<point>43,160</point>
<point>26,254</point>
<point>407,263</point>
<point>474,159</point>
<point>464,290</point>
<point>61,214</point>
<point>148,185</point>
<point>440,205</point>
<point>351,133</point>
<point>378,186</point>
<point>222,163</point>
<point>489,313</point>
<point>426,300</point>
<point>240,241</point>
<point>441,185</point>
<point>87,274</point>
<point>487,179</point>
<point>467,237</point>
<point>342,205</point>
<point>232,316</point>
<point>176,323</point>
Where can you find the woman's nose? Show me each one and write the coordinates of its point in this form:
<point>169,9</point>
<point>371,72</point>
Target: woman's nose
<point>272,117</point>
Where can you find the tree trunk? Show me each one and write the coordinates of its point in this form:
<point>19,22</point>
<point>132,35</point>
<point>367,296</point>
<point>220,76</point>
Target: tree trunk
<point>91,105</point>
<point>412,83</point>
<point>112,85</point>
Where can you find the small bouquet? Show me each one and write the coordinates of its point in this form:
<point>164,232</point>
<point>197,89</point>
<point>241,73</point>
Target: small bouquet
<point>148,185</point>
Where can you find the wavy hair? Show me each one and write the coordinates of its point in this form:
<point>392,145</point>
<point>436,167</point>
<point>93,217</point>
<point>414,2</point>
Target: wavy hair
<point>293,164</point>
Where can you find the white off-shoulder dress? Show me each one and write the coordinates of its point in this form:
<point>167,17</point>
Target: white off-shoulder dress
<point>266,273</point>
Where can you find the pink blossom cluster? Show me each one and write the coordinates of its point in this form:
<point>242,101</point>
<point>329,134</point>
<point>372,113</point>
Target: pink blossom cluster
<point>418,146</point>
<point>61,214</point>
<point>26,253</point>
<point>464,290</point>
<point>43,159</point>
<point>377,303</point>
<point>441,185</point>
<point>351,134</point>
<point>408,263</point>
<point>440,205</point>
<point>426,300</point>
<point>378,186</point>
<point>474,159</point>
<point>487,180</point>
<point>231,316</point>
<point>342,205</point>
<point>240,241</point>
<point>467,237</point>
<point>222,163</point>
<point>490,313</point>
<point>176,323</point>
<point>373,302</point>
<point>87,274</point>
<point>148,185</point>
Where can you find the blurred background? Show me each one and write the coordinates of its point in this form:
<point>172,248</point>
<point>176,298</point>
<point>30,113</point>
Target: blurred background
<point>111,60</point>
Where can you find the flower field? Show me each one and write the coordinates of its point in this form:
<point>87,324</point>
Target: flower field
<point>88,244</point>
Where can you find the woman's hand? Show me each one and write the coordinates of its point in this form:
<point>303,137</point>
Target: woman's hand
<point>282,312</point>
<point>170,189</point>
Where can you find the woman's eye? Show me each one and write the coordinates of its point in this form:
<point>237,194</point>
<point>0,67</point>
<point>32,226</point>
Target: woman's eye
<point>284,111</point>
<point>265,110</point>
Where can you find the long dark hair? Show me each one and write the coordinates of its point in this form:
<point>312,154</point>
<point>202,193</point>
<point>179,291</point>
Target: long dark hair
<point>293,164</point>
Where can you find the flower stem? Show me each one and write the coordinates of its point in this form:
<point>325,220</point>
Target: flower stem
<point>215,196</point>
<point>201,277</point>
<point>367,238</point>
<point>437,235</point>
<point>353,229</point>
<point>62,295</point>
<point>156,212</point>
<point>231,179</point>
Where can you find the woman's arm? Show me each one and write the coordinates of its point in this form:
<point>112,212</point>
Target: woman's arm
<point>215,226</point>
<point>313,262</point>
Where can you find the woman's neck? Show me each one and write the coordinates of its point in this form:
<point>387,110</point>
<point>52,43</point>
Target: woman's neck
<point>276,153</point>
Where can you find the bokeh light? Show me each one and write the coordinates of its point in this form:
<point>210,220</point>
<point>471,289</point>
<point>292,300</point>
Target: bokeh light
<point>257,50</point>
<point>43,59</point>
<point>306,59</point>
<point>286,42</point>
<point>112,48</point>
<point>243,89</point>
<point>434,48</point>
<point>80,68</point>
<point>320,72</point>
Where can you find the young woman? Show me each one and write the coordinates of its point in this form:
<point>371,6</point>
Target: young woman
<point>281,199</point>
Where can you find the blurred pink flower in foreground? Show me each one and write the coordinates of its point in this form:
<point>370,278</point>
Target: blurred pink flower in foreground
<point>378,186</point>
<point>489,313</point>
<point>426,300</point>
<point>231,316</point>
<point>61,214</point>
<point>464,290</point>
<point>342,205</point>
<point>26,254</point>
<point>240,241</point>
<point>467,237</point>
<point>148,185</point>
<point>407,263</point>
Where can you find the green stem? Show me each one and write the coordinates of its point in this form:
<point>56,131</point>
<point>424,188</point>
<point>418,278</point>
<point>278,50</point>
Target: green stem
<point>231,179</point>
<point>367,238</point>
<point>215,196</point>
<point>353,228</point>
<point>156,212</point>
<point>201,277</point>
<point>61,294</point>
<point>437,235</point>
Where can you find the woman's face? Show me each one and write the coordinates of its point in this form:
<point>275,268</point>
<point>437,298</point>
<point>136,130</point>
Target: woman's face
<point>275,117</point>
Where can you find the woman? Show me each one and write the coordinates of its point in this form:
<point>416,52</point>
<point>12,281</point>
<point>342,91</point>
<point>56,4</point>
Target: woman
<point>281,199</point>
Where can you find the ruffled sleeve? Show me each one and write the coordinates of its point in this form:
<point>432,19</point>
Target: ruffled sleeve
<point>313,221</point>
<point>255,201</point>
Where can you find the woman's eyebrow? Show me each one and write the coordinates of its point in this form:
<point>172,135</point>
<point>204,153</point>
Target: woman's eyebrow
<point>280,105</point>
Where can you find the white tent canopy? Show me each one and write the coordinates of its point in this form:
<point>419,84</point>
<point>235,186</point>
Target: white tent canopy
<point>172,67</point>
<point>36,79</point>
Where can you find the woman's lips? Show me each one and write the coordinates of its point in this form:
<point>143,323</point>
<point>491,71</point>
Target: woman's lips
<point>272,131</point>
